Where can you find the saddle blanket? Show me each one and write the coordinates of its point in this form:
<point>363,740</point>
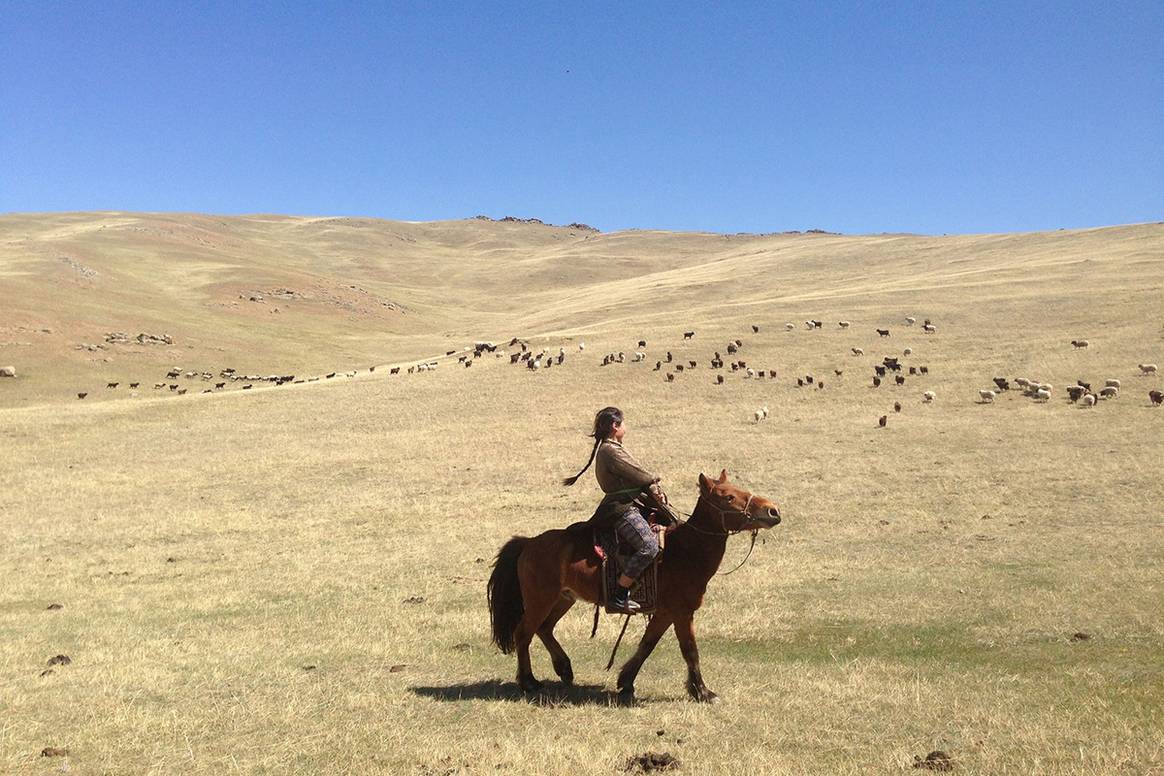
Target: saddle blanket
<point>614,557</point>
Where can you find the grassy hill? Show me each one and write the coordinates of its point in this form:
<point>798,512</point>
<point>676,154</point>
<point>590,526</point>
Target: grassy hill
<point>291,579</point>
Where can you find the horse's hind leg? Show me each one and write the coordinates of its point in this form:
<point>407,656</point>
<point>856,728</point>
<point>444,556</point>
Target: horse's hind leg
<point>538,605</point>
<point>558,655</point>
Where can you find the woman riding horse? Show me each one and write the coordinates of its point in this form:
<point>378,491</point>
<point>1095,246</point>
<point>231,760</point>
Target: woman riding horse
<point>627,487</point>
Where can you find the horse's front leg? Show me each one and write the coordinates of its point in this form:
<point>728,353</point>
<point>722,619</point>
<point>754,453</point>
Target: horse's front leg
<point>626,676</point>
<point>685,632</point>
<point>558,655</point>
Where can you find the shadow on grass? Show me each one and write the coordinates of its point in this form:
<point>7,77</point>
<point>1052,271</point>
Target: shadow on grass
<point>551,694</point>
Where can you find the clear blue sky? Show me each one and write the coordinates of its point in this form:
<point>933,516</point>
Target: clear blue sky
<point>925,117</point>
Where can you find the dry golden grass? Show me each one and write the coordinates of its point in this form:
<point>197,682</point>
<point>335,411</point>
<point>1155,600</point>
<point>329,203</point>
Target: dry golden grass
<point>921,593</point>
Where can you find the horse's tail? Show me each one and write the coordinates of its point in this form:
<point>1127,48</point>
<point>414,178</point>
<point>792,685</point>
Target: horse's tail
<point>504,594</point>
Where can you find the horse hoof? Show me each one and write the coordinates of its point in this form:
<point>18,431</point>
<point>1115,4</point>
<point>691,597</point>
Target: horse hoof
<point>627,697</point>
<point>530,685</point>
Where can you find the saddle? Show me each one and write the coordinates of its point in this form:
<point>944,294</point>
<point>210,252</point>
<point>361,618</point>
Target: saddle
<point>613,554</point>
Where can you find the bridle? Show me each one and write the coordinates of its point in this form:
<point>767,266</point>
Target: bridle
<point>723,513</point>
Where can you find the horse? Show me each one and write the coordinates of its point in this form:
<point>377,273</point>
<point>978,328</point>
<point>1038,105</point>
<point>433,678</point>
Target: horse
<point>535,581</point>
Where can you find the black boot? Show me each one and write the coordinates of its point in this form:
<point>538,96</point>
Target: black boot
<point>621,601</point>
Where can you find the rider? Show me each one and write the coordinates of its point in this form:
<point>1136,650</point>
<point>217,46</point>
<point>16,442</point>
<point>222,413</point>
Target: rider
<point>624,482</point>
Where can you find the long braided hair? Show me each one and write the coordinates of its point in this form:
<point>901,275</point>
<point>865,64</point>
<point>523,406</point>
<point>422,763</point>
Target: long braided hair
<point>604,422</point>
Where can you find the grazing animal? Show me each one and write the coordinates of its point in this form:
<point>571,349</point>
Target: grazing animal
<point>760,374</point>
<point>1089,400</point>
<point>678,367</point>
<point>1002,383</point>
<point>175,373</point>
<point>913,370</point>
<point>669,357</point>
<point>820,385</point>
<point>1077,344</point>
<point>670,377</point>
<point>82,394</point>
<point>910,321</point>
<point>642,343</point>
<point>816,324</point>
<point>732,348</point>
<point>394,370</point>
<point>838,372</point>
<point>928,397</point>
<point>1157,397</point>
<point>876,381</point>
<point>581,346</point>
<point>111,385</point>
<point>658,366</point>
<point>843,324</point>
<point>899,379</point>
<point>638,356</point>
<point>1043,394</point>
<point>789,326</point>
<point>1074,392</point>
<point>857,351</point>
<point>755,329</point>
<point>808,379</point>
<point>1112,382</point>
<point>880,370</point>
<point>881,421</point>
<point>907,352</point>
<point>1148,369</point>
<point>719,379</point>
<point>332,374</point>
<point>181,391</point>
<point>925,370</point>
<point>1110,392</point>
<point>897,406</point>
<point>883,332</point>
<point>134,385</point>
<point>220,385</point>
<point>688,335</point>
<point>750,374</point>
<point>173,386</point>
<point>691,364</point>
<point>929,328</point>
<point>986,397</point>
<point>760,414</point>
<point>159,385</point>
<point>771,374</point>
<point>371,369</point>
<point>535,581</point>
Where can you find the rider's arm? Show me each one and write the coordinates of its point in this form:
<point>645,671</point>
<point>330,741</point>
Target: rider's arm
<point>627,468</point>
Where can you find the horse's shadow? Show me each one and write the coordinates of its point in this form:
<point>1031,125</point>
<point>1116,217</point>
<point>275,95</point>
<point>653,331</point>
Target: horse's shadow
<point>551,693</point>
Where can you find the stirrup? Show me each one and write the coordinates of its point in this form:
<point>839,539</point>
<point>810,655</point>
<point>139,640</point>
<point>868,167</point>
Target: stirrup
<point>629,606</point>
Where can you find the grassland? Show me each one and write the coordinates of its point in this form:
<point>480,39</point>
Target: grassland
<point>239,573</point>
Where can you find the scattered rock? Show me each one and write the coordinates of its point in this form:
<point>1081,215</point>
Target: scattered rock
<point>7,371</point>
<point>54,751</point>
<point>1080,636</point>
<point>936,760</point>
<point>54,607</point>
<point>648,762</point>
<point>415,599</point>
<point>309,668</point>
<point>46,672</point>
<point>397,668</point>
<point>462,647</point>
<point>171,559</point>
<point>60,660</point>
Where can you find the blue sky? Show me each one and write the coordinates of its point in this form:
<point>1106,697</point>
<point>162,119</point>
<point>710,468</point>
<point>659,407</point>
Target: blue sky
<point>934,117</point>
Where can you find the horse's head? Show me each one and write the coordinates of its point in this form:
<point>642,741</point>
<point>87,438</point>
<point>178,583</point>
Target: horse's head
<point>739,510</point>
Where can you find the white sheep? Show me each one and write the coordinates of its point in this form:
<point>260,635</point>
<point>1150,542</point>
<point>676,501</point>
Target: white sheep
<point>1111,382</point>
<point>1089,400</point>
<point>809,325</point>
<point>1022,382</point>
<point>750,374</point>
<point>581,346</point>
<point>1043,394</point>
<point>928,397</point>
<point>929,328</point>
<point>843,324</point>
<point>908,351</point>
<point>910,321</point>
<point>1148,369</point>
<point>1110,392</point>
<point>639,356</point>
<point>789,326</point>
<point>986,397</point>
<point>760,414</point>
<point>858,351</point>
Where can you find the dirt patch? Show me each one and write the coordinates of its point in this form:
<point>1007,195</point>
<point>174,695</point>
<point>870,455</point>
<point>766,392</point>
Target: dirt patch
<point>1081,636</point>
<point>60,660</point>
<point>936,760</point>
<point>649,762</point>
<point>54,751</point>
<point>53,607</point>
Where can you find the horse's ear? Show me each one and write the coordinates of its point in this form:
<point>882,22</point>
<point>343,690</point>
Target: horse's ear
<point>723,476</point>
<point>704,483</point>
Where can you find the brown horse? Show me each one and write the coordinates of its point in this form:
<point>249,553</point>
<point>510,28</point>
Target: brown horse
<point>536,580</point>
